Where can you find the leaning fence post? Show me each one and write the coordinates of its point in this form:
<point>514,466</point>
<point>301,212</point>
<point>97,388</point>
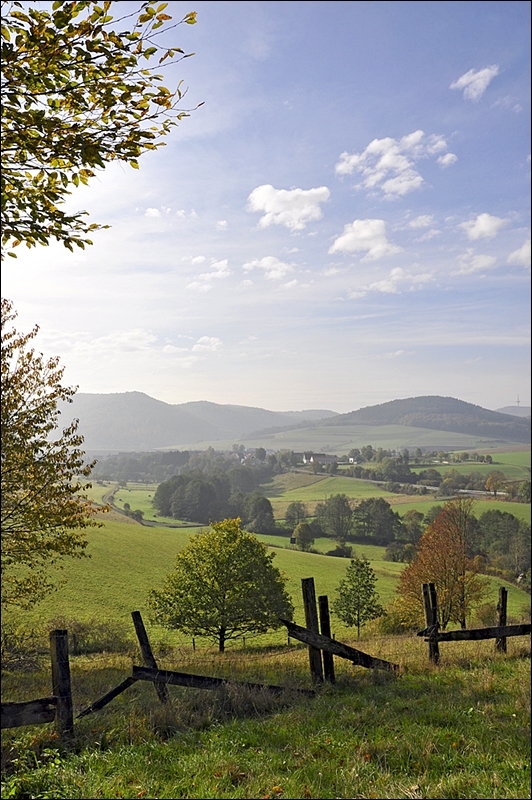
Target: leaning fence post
<point>61,686</point>
<point>325,627</point>
<point>311,621</point>
<point>430,604</point>
<point>500,644</point>
<point>147,654</point>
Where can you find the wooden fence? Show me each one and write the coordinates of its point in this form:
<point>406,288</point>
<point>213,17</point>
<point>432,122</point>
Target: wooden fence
<point>433,635</point>
<point>316,635</point>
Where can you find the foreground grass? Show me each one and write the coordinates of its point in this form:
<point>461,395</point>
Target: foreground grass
<point>457,730</point>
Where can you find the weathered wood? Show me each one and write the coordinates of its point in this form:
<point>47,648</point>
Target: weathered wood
<point>106,698</point>
<point>430,605</point>
<point>474,634</point>
<point>311,621</point>
<point>325,630</point>
<point>61,686</point>
<point>32,712</point>
<point>202,682</point>
<point>147,654</point>
<point>336,648</point>
<point>500,643</point>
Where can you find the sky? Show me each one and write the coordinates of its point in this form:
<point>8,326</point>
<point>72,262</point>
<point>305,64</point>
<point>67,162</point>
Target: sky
<point>343,222</point>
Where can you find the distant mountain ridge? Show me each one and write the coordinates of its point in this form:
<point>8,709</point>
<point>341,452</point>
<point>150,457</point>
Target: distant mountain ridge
<point>136,421</point>
<point>442,414</point>
<point>133,421</point>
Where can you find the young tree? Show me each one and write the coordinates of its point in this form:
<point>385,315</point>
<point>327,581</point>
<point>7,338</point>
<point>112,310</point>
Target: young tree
<point>44,505</point>
<point>77,93</point>
<point>304,536</point>
<point>444,557</point>
<point>224,586</point>
<point>358,601</point>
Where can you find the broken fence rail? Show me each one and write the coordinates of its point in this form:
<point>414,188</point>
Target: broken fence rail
<point>166,676</point>
<point>328,645</point>
<point>30,712</point>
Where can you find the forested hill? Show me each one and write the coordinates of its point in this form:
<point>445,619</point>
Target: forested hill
<point>136,421</point>
<point>441,414</point>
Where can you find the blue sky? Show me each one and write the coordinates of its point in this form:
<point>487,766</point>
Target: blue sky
<point>345,221</point>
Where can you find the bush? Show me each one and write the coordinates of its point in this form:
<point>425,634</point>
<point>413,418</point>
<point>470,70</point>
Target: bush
<point>22,649</point>
<point>341,550</point>
<point>94,635</point>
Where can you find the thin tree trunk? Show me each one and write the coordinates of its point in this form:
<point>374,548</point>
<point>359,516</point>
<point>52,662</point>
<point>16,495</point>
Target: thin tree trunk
<point>222,640</point>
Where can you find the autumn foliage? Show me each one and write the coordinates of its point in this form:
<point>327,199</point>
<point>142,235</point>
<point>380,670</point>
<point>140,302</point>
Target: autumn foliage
<point>443,557</point>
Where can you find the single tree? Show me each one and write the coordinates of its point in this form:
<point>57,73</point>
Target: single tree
<point>224,586</point>
<point>375,517</point>
<point>304,536</point>
<point>444,557</point>
<point>296,512</point>
<point>77,93</point>
<point>43,499</point>
<point>495,481</point>
<point>358,601</point>
<point>335,516</point>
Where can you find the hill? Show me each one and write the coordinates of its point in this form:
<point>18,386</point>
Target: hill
<point>135,421</point>
<point>441,414</point>
<point>515,411</point>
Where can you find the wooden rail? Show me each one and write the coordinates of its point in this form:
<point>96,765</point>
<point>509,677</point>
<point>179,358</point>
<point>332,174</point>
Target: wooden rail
<point>322,642</point>
<point>166,676</point>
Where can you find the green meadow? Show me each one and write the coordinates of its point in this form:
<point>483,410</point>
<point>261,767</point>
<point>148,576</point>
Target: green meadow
<point>127,559</point>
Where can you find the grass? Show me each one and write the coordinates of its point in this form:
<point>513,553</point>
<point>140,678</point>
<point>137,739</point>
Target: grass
<point>457,730</point>
<point>128,559</point>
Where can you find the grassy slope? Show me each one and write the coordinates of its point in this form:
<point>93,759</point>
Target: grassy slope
<point>127,560</point>
<point>342,438</point>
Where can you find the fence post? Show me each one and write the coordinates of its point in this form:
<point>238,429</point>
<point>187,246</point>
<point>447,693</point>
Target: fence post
<point>430,604</point>
<point>61,686</point>
<point>311,621</point>
<point>500,644</point>
<point>147,654</point>
<point>325,627</point>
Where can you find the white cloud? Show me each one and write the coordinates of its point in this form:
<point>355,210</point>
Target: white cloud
<point>368,235</point>
<point>508,102</point>
<point>293,208</point>
<point>207,344</point>
<point>398,353</point>
<point>521,255</point>
<point>221,225</point>
<point>152,212</point>
<point>474,83</point>
<point>470,263</point>
<point>274,269</point>
<point>428,235</point>
<point>483,227</point>
<point>194,259</point>
<point>447,160</point>
<point>218,270</point>
<point>389,164</point>
<point>397,279</point>
<point>423,221</point>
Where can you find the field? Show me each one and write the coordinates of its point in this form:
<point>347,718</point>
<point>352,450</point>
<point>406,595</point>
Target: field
<point>458,730</point>
<point>340,439</point>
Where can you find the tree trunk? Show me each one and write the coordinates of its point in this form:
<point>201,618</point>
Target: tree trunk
<point>222,640</point>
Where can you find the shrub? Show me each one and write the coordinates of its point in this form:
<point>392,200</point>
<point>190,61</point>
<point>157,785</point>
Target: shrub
<point>94,635</point>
